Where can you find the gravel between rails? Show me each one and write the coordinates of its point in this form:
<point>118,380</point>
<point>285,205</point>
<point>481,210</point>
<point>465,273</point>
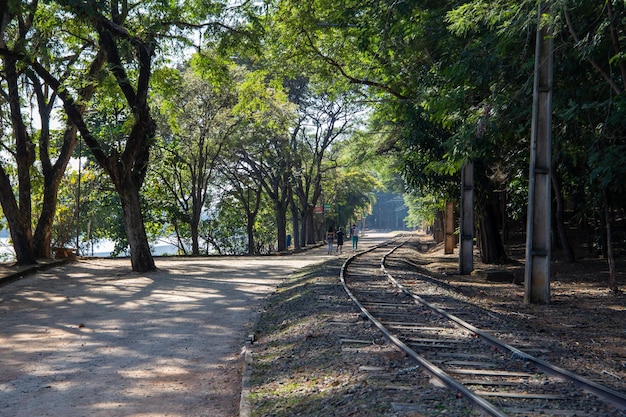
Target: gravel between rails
<point>305,362</point>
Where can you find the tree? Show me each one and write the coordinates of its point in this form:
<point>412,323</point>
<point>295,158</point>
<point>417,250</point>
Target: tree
<point>89,209</point>
<point>414,77</point>
<point>264,150</point>
<point>197,124</point>
<point>324,119</point>
<point>247,191</point>
<point>597,42</point>
<point>124,36</point>
<point>23,35</point>
<point>128,42</point>
<point>349,193</point>
<point>587,121</point>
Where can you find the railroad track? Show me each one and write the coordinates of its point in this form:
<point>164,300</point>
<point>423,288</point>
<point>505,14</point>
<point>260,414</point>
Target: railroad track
<point>417,314</point>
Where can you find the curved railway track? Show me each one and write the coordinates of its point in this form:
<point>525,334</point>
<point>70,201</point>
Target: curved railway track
<point>418,315</point>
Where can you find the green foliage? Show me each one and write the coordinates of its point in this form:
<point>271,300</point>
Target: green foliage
<point>166,84</point>
<point>608,168</point>
<point>99,216</point>
<point>349,192</point>
<point>212,67</point>
<point>422,209</point>
<point>263,101</point>
<point>443,82</point>
<point>227,230</point>
<point>195,127</point>
<point>480,15</point>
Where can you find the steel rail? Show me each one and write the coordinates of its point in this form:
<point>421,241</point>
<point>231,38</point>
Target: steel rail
<point>612,396</point>
<point>428,366</point>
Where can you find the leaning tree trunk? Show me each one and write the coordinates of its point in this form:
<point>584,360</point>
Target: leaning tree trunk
<point>53,174</point>
<point>140,256</point>
<point>43,231</point>
<point>18,211</point>
<point>19,225</point>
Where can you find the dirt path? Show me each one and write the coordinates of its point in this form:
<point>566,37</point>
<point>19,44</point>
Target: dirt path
<point>92,338</point>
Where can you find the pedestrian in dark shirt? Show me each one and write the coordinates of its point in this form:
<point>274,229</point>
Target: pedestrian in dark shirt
<point>340,235</point>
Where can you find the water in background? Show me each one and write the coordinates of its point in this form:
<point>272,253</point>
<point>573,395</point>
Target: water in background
<point>6,250</point>
<point>101,250</point>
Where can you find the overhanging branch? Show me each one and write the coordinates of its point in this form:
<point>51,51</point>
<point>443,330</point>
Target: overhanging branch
<point>353,80</point>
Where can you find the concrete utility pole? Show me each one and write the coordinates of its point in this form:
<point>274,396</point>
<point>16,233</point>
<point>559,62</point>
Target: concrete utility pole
<point>466,250</point>
<point>538,244</point>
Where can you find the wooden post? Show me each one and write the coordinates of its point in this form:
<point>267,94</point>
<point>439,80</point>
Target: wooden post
<point>449,227</point>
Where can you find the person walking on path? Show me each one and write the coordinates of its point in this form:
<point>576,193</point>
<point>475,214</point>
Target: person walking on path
<point>355,237</point>
<point>330,235</point>
<point>340,234</point>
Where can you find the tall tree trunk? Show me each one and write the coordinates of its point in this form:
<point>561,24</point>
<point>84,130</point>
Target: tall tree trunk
<point>281,225</point>
<point>559,214</point>
<point>53,172</point>
<point>438,227</point>
<point>194,225</point>
<point>309,225</point>
<point>19,224</point>
<point>491,246</point>
<point>18,211</point>
<point>140,256</point>
<point>43,231</point>
<point>250,231</point>
<point>610,257</point>
<point>128,179</point>
<point>251,199</point>
<point>450,239</point>
<point>295,215</point>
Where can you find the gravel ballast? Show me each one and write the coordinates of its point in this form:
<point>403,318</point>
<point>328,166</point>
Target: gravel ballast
<point>314,355</point>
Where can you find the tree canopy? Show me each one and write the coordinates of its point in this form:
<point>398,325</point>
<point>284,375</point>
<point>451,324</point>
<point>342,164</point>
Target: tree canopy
<point>210,118</point>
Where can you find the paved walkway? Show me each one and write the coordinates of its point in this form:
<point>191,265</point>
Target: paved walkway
<point>92,338</point>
